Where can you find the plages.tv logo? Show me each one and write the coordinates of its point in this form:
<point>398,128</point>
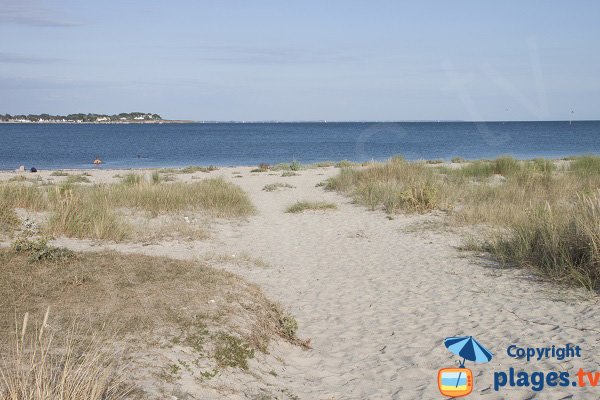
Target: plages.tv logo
<point>458,382</point>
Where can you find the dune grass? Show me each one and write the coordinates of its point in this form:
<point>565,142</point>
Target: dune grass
<point>37,367</point>
<point>203,316</point>
<point>23,195</point>
<point>396,186</point>
<point>548,216</point>
<point>215,196</point>
<point>85,214</point>
<point>302,206</point>
<point>93,211</point>
<point>586,166</point>
<point>9,220</point>
<point>562,244</point>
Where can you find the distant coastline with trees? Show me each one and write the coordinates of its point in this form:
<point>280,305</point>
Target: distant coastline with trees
<point>80,118</point>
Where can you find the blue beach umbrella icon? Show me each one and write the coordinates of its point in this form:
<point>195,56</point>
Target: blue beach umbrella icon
<point>469,349</point>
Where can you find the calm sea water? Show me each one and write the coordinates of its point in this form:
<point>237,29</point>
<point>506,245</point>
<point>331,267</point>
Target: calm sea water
<point>170,145</point>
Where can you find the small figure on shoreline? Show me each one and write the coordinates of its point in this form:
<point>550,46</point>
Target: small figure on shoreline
<point>33,169</point>
<point>97,161</point>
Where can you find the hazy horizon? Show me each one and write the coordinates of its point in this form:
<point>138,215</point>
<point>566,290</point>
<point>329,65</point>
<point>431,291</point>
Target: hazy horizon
<point>335,61</point>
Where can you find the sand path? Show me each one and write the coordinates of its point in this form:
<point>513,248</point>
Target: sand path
<point>378,296</point>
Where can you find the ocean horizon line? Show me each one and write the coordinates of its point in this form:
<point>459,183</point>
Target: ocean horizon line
<point>188,121</point>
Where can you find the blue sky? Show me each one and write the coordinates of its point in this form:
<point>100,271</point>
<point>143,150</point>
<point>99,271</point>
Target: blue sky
<point>302,60</point>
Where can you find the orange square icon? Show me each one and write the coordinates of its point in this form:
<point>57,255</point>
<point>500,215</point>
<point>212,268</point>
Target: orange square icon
<point>455,382</point>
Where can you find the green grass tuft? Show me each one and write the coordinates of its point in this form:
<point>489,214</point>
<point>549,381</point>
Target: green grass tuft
<point>586,166</point>
<point>301,206</point>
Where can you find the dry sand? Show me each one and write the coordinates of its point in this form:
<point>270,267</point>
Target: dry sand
<point>377,297</point>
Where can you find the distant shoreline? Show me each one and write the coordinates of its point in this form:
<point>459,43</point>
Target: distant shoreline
<point>177,121</point>
<point>163,121</point>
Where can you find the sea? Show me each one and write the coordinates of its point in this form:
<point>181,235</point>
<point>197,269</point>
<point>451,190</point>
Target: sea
<point>55,146</point>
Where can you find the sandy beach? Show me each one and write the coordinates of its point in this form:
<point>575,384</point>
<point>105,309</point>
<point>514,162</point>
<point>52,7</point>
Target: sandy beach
<point>376,296</point>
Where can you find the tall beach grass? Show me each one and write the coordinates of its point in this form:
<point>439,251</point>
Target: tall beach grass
<point>92,211</point>
<point>39,367</point>
<point>537,214</point>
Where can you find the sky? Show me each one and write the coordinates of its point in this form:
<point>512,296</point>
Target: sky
<point>342,60</point>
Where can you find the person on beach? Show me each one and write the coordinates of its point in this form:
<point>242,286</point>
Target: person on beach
<point>97,161</point>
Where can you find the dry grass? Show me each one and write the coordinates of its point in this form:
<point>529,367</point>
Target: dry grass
<point>395,186</point>
<point>85,214</point>
<point>505,195</point>
<point>214,196</point>
<point>142,300</point>
<point>586,166</point>
<point>23,195</point>
<point>9,220</point>
<point>273,187</point>
<point>36,367</point>
<point>93,211</point>
<point>302,206</point>
<point>560,244</point>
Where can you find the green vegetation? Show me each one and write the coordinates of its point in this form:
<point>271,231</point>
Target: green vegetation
<point>38,249</point>
<point>286,174</point>
<point>289,326</point>
<point>301,206</point>
<point>232,352</point>
<point>293,166</point>
<point>129,117</point>
<point>195,168</point>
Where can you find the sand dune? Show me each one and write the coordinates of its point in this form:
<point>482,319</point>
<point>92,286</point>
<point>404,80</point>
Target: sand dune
<point>377,296</point>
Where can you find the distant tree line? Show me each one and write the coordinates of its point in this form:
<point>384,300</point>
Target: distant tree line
<point>133,116</point>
